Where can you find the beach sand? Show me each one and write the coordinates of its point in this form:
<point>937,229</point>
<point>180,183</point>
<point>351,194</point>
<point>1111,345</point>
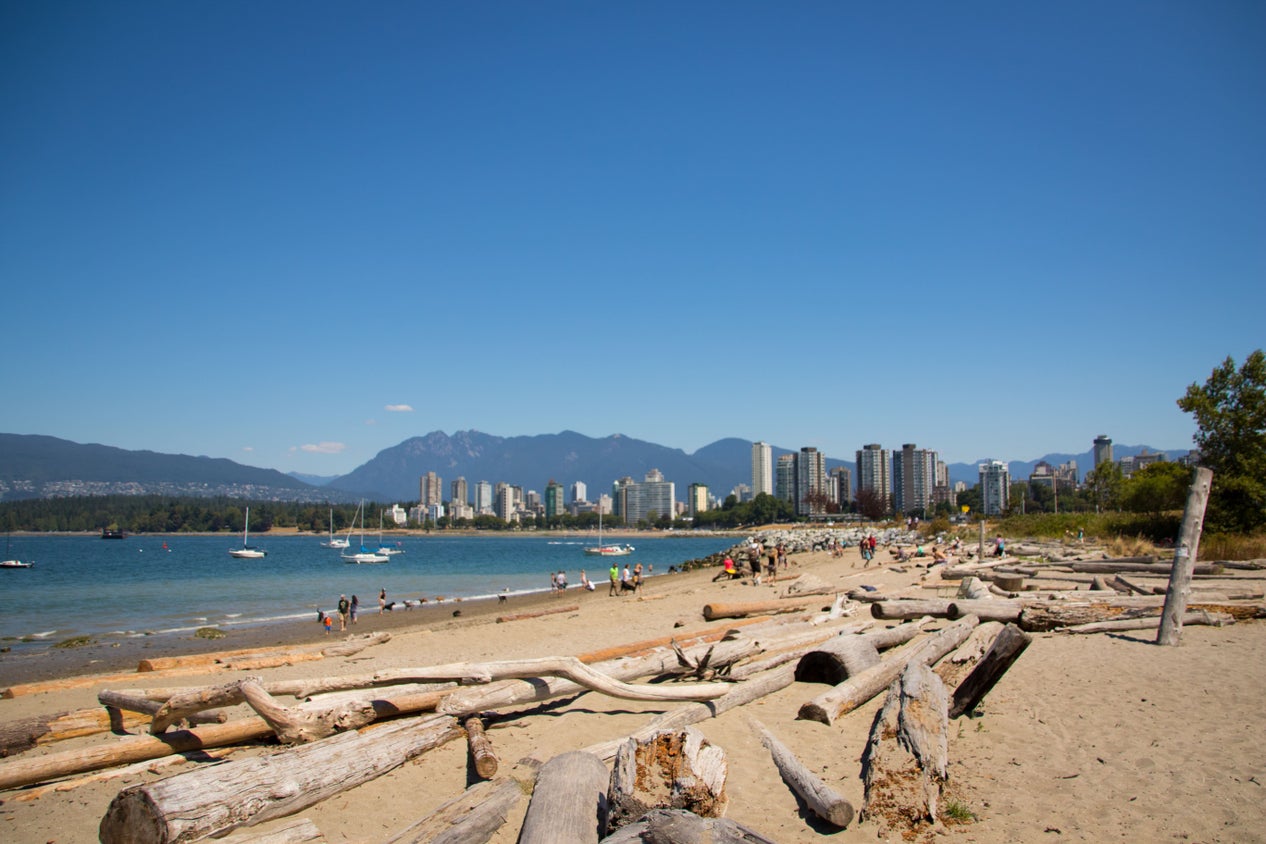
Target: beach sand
<point>1091,738</point>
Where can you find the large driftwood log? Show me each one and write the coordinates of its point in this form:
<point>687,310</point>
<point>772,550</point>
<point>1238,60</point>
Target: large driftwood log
<point>1006,649</point>
<point>855,691</point>
<point>470,818</point>
<point>569,801</point>
<point>481,752</point>
<point>904,767</point>
<point>25,733</point>
<point>1194,617</point>
<point>824,801</point>
<point>1161,569</point>
<point>245,792</point>
<point>112,700</point>
<point>297,725</point>
<point>836,660</point>
<point>1185,555</point>
<point>1043,617</point>
<point>679,769</point>
<point>992,609</point>
<point>290,831</point>
<point>501,619</point>
<point>715,610</point>
<point>677,826</point>
<point>911,608</point>
<point>972,588</point>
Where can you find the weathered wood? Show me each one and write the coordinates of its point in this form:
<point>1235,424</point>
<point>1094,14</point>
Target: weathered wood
<point>904,767</point>
<point>211,801</point>
<point>1152,622</point>
<point>677,826</point>
<point>289,831</point>
<point>1005,650</point>
<point>470,818</point>
<point>972,588</point>
<point>992,609</point>
<point>1009,582</point>
<point>26,733</point>
<point>910,608</point>
<point>480,746</point>
<point>835,660</point>
<point>1162,569</point>
<point>677,769</point>
<point>715,610</point>
<point>132,703</point>
<point>899,634</point>
<point>355,644</point>
<point>1130,586</point>
<point>296,725</point>
<point>824,801</point>
<point>569,801</point>
<point>1185,555</point>
<point>855,691</point>
<point>646,646</point>
<point>1043,617</point>
<point>501,619</point>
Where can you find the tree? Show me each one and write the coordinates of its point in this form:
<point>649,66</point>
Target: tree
<point>1104,484</point>
<point>871,504</point>
<point>1230,414</point>
<point>1157,488</point>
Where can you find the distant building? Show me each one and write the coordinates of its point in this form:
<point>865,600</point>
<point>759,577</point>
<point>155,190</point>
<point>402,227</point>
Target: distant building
<point>762,469</point>
<point>579,492</point>
<point>1130,465</point>
<point>1103,449</point>
<point>785,478</point>
<point>397,514</point>
<point>995,487</point>
<point>553,499</point>
<point>652,498</point>
<point>741,493</point>
<point>697,499</point>
<point>840,486</point>
<point>484,501</point>
<point>459,493</point>
<point>913,479</point>
<point>810,482</point>
<point>874,471</point>
<point>430,489</point>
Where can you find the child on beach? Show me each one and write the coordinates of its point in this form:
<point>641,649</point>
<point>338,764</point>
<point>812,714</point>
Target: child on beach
<point>329,623</point>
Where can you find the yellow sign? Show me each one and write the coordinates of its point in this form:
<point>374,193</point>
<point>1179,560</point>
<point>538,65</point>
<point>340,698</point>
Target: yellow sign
<point>965,508</point>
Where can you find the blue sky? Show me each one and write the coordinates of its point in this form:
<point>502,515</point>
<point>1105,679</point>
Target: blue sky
<point>296,233</point>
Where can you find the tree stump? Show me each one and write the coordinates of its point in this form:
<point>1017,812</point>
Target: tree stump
<point>679,769</point>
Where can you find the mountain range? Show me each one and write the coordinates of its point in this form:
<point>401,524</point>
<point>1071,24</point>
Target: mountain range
<point>33,466</point>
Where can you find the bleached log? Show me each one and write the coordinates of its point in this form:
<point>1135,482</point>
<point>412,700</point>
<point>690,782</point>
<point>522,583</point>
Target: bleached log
<point>569,801</point>
<point>1131,586</point>
<point>184,706</point>
<point>1186,552</point>
<point>972,588</point>
<point>211,801</point>
<point>715,610</point>
<point>481,752</point>
<point>911,608</point>
<point>1151,622</point>
<point>1162,569</point>
<point>677,769</point>
<point>356,644</point>
<point>904,767</point>
<point>1043,617</point>
<point>647,647</point>
<point>136,769</point>
<point>294,725</point>
<point>26,733</point>
<point>824,801</point>
<point>890,637</point>
<point>677,826</point>
<point>289,831</point>
<point>993,609</point>
<point>837,659</point>
<point>1005,650</point>
<point>121,701</point>
<point>977,643</point>
<point>501,619</point>
<point>470,818</point>
<point>855,691</point>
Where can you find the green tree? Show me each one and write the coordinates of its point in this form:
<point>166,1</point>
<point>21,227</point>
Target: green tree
<point>1230,414</point>
<point>1156,488</point>
<point>1104,485</point>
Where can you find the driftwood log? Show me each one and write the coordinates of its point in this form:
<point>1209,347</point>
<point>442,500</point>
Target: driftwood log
<point>841,657</point>
<point>470,818</point>
<point>289,831</point>
<point>824,801</point>
<point>990,609</point>
<point>715,610</point>
<point>904,767</point>
<point>215,800</point>
<point>569,802</point>
<point>855,691</point>
<point>501,619</point>
<point>901,608</point>
<point>481,752</point>
<point>1152,622</point>
<point>26,733</point>
<point>678,769</point>
<point>677,826</point>
<point>1006,649</point>
<point>1186,553</point>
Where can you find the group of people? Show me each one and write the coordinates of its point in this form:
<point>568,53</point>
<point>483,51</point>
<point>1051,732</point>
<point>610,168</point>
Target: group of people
<point>625,580</point>
<point>348,610</point>
<point>558,582</point>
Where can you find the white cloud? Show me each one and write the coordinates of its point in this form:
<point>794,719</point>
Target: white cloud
<point>323,448</point>
<point>398,408</point>
<point>248,448</point>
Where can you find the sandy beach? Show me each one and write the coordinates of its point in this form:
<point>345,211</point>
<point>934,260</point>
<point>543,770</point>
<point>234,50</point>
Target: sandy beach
<point>1086,738</point>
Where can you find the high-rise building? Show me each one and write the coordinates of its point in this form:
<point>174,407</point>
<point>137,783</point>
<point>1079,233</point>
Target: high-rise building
<point>874,471</point>
<point>762,469</point>
<point>459,494</point>
<point>484,502</point>
<point>553,499</point>
<point>651,499</point>
<point>579,492</point>
<point>913,479</point>
<point>1103,449</point>
<point>995,487</point>
<point>810,481</point>
<point>430,489</point>
<point>840,486</point>
<point>506,508</point>
<point>697,499</point>
<point>785,478</point>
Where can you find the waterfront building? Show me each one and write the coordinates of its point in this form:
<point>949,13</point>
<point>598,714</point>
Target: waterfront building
<point>430,489</point>
<point>810,482</point>
<point>553,499</point>
<point>579,492</point>
<point>785,478</point>
<point>762,469</point>
<point>913,479</point>
<point>483,498</point>
<point>995,487</point>
<point>459,494</point>
<point>697,499</point>
<point>652,498</point>
<point>741,493</point>
<point>874,471</point>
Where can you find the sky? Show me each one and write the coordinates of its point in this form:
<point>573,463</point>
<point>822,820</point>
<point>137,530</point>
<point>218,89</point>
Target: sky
<point>293,234</point>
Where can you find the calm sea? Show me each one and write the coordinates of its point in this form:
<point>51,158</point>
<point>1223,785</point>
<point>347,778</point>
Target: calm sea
<point>144,585</point>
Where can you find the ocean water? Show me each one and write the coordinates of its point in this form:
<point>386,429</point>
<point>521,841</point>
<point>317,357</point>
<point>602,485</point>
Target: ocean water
<point>145,585</point>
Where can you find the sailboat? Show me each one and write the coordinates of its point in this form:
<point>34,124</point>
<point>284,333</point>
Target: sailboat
<point>364,555</point>
<point>246,552</point>
<point>601,550</point>
<point>389,550</point>
<point>334,541</point>
<point>12,564</point>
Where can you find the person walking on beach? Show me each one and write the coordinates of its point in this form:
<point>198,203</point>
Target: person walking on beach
<point>614,574</point>
<point>328,622</point>
<point>562,581</point>
<point>355,608</point>
<point>343,609</point>
<point>382,600</point>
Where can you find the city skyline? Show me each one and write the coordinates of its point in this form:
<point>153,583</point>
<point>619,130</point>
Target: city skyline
<point>296,234</point>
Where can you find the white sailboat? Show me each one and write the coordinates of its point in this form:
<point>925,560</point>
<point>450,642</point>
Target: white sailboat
<point>335,541</point>
<point>12,564</point>
<point>601,550</point>
<point>389,550</point>
<point>364,555</point>
<point>246,552</point>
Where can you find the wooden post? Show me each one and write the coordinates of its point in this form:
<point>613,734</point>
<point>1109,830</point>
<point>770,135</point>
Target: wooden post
<point>1188,547</point>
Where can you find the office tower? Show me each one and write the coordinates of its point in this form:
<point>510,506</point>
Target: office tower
<point>1103,449</point>
<point>785,478</point>
<point>913,479</point>
<point>483,498</point>
<point>810,481</point>
<point>697,499</point>
<point>762,469</point>
<point>874,471</point>
<point>651,499</point>
<point>553,499</point>
<point>579,492</point>
<point>840,486</point>
<point>995,485</point>
<point>460,495</point>
<point>430,489</point>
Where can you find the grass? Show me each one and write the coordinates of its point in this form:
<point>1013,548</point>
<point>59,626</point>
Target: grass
<point>957,812</point>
